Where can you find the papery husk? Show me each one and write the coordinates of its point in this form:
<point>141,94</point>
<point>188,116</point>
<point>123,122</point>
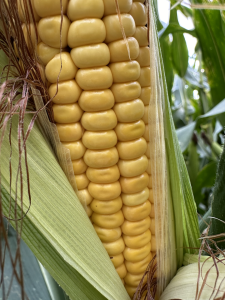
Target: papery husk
<point>184,285</point>
<point>56,228</point>
<point>177,231</point>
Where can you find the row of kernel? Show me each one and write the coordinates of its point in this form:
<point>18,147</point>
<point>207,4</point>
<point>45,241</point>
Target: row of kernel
<point>108,225</point>
<point>139,14</point>
<point>64,90</point>
<point>137,206</point>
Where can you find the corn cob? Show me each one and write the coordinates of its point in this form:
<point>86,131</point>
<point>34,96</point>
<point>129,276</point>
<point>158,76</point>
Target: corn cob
<point>106,130</point>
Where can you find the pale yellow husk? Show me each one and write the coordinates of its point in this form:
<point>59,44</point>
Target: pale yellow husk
<point>185,285</point>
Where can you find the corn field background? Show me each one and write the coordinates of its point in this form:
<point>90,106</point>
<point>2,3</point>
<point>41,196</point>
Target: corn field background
<point>196,88</point>
<point>196,91</point>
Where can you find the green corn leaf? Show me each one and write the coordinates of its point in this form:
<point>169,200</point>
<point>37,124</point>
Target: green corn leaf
<point>179,48</point>
<point>175,28</point>
<point>205,178</point>
<point>211,38</point>
<point>56,227</point>
<point>186,132</point>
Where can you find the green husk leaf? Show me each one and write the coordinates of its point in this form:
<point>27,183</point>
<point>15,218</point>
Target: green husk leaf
<point>167,62</point>
<point>56,227</point>
<point>183,215</point>
<point>218,208</point>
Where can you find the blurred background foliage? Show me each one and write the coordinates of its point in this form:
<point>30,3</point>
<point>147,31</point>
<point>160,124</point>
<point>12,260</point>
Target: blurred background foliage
<point>194,62</point>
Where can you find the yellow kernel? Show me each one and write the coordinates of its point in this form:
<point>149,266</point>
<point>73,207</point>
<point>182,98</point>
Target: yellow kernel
<point>150,182</point>
<point>135,228</point>
<point>144,57</point>
<point>138,267</point>
<point>130,111</point>
<point>132,149</point>
<point>137,241</point>
<point>90,56</point>
<point>110,6</point>
<point>122,271</point>
<point>49,31</point>
<point>99,140</point>
<point>86,32</point>
<point>134,167</point>
<point>68,71</point>
<point>145,77</point>
<point>69,132</point>
<point>84,197</point>
<point>131,290</point>
<point>119,52</point>
<point>94,79</point>
<point>106,191</point>
<point>126,91</point>
<point>153,243</point>
<point>151,198</point>
<point>101,158</point>
<point>145,116</point>
<point>145,95</point>
<point>46,53</point>
<point>146,134</point>
<point>68,92</point>
<point>135,255</point>
<point>109,235</point>
<point>149,170</point>
<point>141,35</point>
<point>98,121</point>
<point>77,149</point>
<point>117,260</point>
<point>134,184</point>
<point>137,213</point>
<point>79,9</point>
<point>89,211</point>
<point>125,71</point>
<point>47,8</point>
<point>95,101</point>
<point>113,27</point>
<point>129,132</point>
<point>81,181</point>
<point>106,207</point>
<point>115,247</point>
<point>135,199</point>
<point>134,279</point>
<point>79,166</point>
<point>105,175</point>
<point>152,213</point>
<point>152,226</point>
<point>108,221</point>
<point>67,113</point>
<point>147,153</point>
<point>139,13</point>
